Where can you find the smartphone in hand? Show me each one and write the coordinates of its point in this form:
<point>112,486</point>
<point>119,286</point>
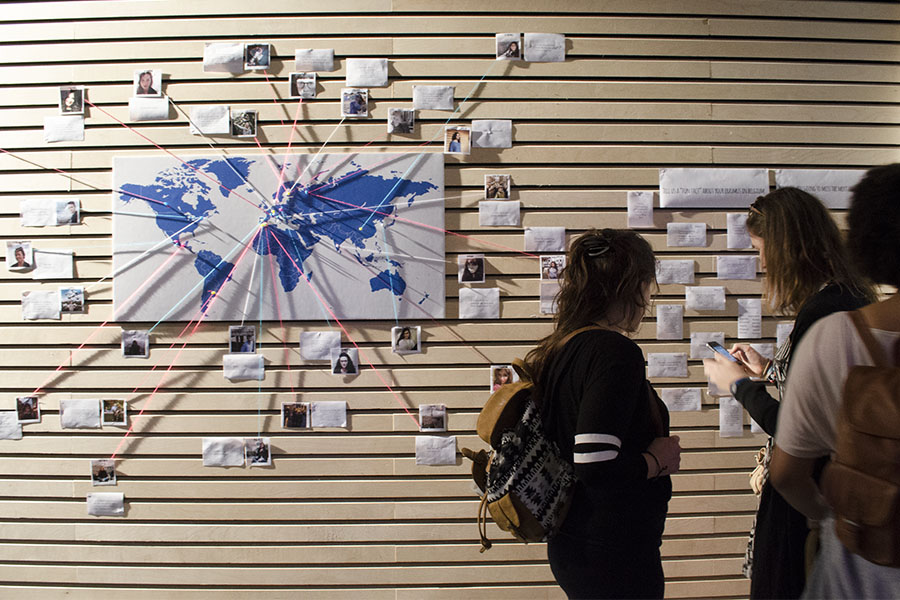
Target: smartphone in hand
<point>720,349</point>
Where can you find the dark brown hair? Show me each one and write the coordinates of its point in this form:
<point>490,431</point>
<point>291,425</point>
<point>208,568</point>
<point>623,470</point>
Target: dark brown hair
<point>803,249</point>
<point>874,221</point>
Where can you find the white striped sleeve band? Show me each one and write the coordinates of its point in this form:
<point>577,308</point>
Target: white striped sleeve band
<point>590,457</point>
<point>595,447</point>
<point>598,438</point>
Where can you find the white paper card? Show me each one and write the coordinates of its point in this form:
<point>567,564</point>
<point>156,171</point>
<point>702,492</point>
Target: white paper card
<point>38,212</point>
<point>211,120</point>
<point>685,234</point>
<point>244,366</point>
<point>10,428</point>
<point>782,333</point>
<point>705,298</point>
<point>736,267</point>
<point>331,413</point>
<point>545,239</point>
<point>669,321</point>
<point>549,290</point>
<point>675,271</point>
<point>545,47</point>
<point>755,427</point>
<point>367,72</point>
<point>317,345</point>
<point>731,417</point>
<point>40,304</point>
<point>106,504</point>
<point>223,57</point>
<point>749,318</point>
<point>667,364</point>
<point>314,59</point>
<point>498,213</point>
<point>765,349</point>
<point>78,413</point>
<point>53,264</point>
<point>223,452</point>
<point>832,187</point>
<point>681,399</point>
<point>711,188</point>
<point>699,340</point>
<point>640,209</point>
<point>435,450</point>
<point>148,109</point>
<point>67,128</point>
<point>736,235</point>
<point>433,97</point>
<point>479,303</point>
<point>490,133</point>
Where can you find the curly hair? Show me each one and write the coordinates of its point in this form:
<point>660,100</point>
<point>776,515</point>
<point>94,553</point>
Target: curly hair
<point>874,221</point>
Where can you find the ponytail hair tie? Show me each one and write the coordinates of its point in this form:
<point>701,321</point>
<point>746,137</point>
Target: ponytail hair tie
<point>596,246</point>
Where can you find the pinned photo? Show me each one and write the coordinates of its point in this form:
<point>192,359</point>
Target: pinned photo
<point>68,212</point>
<point>257,56</point>
<point>28,410</point>
<point>103,472</point>
<point>401,120</point>
<point>497,187</point>
<point>354,102</point>
<point>147,82</point>
<point>71,300</point>
<point>243,123</point>
<point>501,375</point>
<point>457,140</point>
<point>552,266</point>
<point>345,361</point>
<point>71,100</point>
<point>135,344</point>
<point>471,268</point>
<point>432,417</point>
<point>509,46</point>
<point>406,340</point>
<point>258,452</point>
<point>295,415</point>
<point>114,412</point>
<point>19,256</point>
<point>242,339</point>
<point>302,85</point>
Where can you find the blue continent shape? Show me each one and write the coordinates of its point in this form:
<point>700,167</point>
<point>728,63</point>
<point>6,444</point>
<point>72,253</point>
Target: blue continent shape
<point>387,280</point>
<point>215,271</point>
<point>289,251</point>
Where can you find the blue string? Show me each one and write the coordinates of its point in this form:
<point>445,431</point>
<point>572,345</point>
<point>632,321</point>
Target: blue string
<point>262,274</point>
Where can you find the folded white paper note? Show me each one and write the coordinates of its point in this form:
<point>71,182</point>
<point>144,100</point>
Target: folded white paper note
<point>731,417</point>
<point>10,428</point>
<point>223,57</point>
<point>832,187</point>
<point>106,504</point>
<point>699,340</point>
<point>675,271</point>
<point>40,304</point>
<point>711,188</point>
<point>78,413</point>
<point>331,413</point>
<point>545,239</point>
<point>782,333</point>
<point>223,452</point>
<point>39,212</point>
<point>705,298</point>
<point>433,97</point>
<point>435,450</point>
<point>314,59</point>
<point>669,321</point>
<point>317,345</point>
<point>498,213</point>
<point>211,120</point>
<point>479,303</point>
<point>755,427</point>
<point>640,209</point>
<point>244,366</point>
<point>749,318</point>
<point>679,399</point>
<point>736,267</point>
<point>736,235</point>
<point>767,350</point>
<point>685,234</point>
<point>667,364</point>
<point>148,109</point>
<point>66,128</point>
<point>367,72</point>
<point>545,47</point>
<point>53,264</point>
<point>492,134</point>
<point>549,290</point>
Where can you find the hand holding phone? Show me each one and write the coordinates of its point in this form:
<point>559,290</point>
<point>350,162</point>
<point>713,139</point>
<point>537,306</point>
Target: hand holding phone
<point>720,349</point>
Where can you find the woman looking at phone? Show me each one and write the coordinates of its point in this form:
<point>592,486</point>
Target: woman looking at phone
<point>807,274</point>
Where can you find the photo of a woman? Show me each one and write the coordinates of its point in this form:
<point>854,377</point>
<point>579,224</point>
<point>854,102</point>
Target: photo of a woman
<point>457,140</point>
<point>144,85</point>
<point>343,364</point>
<point>471,269</point>
<point>71,101</point>
<point>501,376</point>
<point>406,340</point>
<point>20,257</point>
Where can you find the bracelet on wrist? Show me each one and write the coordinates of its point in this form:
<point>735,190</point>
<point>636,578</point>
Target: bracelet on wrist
<point>659,469</point>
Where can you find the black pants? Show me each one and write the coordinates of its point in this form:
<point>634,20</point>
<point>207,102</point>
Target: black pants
<point>624,568</point>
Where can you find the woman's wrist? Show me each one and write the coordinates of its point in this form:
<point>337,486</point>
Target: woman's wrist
<point>655,462</point>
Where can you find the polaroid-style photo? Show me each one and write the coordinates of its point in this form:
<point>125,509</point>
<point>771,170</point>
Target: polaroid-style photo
<point>471,268</point>
<point>432,417</point>
<point>71,100</point>
<point>497,187</point>
<point>257,57</point>
<point>501,375</point>
<point>71,300</point>
<point>103,471</point>
<point>302,85</point>
<point>68,212</point>
<point>401,120</point>
<point>552,266</point>
<point>243,123</point>
<point>135,343</point>
<point>457,140</point>
<point>509,46</point>
<point>258,452</point>
<point>114,412</point>
<point>28,410</point>
<point>354,102</point>
<point>406,340</point>
<point>345,361</point>
<point>148,82</point>
<point>295,415</point>
<point>242,339</point>
<point>19,256</point>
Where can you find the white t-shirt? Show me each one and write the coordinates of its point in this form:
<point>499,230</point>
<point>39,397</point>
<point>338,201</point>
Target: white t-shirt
<point>819,366</point>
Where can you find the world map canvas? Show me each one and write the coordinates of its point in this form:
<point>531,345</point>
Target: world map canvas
<point>360,236</point>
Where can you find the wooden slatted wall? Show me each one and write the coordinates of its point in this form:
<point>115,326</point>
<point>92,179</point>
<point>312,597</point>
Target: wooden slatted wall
<point>647,84</point>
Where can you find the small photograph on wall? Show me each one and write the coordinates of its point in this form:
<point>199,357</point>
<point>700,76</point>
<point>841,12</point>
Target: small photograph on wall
<point>354,102</point>
<point>135,343</point>
<point>501,375</point>
<point>497,187</point>
<point>552,266</point>
<point>345,361</point>
<point>68,212</point>
<point>19,256</point>
<point>71,300</point>
<point>406,340</point>
<point>71,100</point>
<point>401,120</point>
<point>148,82</point>
<point>457,140</point>
<point>114,412</point>
<point>302,85</point>
<point>243,123</point>
<point>103,472</point>
<point>258,452</point>
<point>257,57</point>
<point>242,339</point>
<point>295,415</point>
<point>509,46</point>
<point>471,268</point>
<point>28,410</point>
<point>432,417</point>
